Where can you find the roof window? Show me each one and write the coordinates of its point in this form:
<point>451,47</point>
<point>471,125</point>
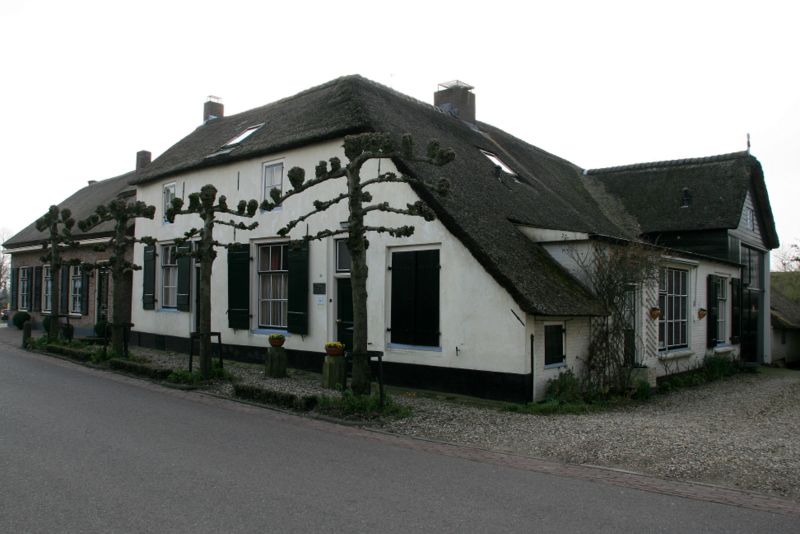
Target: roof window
<point>498,162</point>
<point>244,135</point>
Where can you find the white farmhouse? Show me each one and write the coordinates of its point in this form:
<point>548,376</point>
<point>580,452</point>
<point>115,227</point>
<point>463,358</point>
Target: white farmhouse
<point>486,300</point>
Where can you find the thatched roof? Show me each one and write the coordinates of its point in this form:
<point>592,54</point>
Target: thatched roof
<point>82,204</point>
<point>785,300</point>
<point>483,208</point>
<point>717,186</point>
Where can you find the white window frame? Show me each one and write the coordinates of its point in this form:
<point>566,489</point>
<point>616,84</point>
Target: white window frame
<point>342,253</point>
<point>24,288</point>
<point>722,309</point>
<point>47,288</point>
<point>267,187</point>
<point>667,305</point>
<point>167,194</point>
<point>168,272</point>
<point>264,276</point>
<point>75,289</point>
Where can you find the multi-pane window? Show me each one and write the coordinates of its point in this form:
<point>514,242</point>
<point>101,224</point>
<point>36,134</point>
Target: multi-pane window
<point>75,289</point>
<point>721,308</point>
<point>169,276</point>
<point>273,178</point>
<point>673,300</point>
<point>24,288</point>
<point>751,260</point>
<point>47,304</point>
<point>554,353</point>
<point>342,256</point>
<point>168,193</point>
<point>273,285</point>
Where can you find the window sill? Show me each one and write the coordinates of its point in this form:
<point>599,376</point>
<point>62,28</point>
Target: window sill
<point>675,354</point>
<point>400,346</point>
<point>555,365</point>
<point>724,349</point>
<point>268,331</point>
<point>168,310</point>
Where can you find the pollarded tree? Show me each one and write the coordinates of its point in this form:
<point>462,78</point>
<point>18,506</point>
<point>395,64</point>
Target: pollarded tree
<point>359,149</point>
<point>123,214</point>
<point>58,223</point>
<point>203,204</point>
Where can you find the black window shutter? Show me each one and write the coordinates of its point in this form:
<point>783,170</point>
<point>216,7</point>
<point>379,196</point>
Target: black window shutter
<point>184,277</point>
<point>149,278</point>
<point>297,321</point>
<point>426,297</point>
<point>711,307</point>
<point>415,298</point>
<point>36,303</point>
<point>14,287</point>
<point>239,287</point>
<point>65,289</point>
<point>84,292</point>
<point>403,283</point>
<point>736,310</point>
<point>553,344</point>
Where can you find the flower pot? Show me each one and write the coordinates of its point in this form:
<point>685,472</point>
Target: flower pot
<point>277,342</point>
<point>334,351</point>
<point>701,313</point>
<point>655,313</point>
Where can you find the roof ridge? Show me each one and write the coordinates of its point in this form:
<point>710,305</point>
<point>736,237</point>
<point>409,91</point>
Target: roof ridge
<point>668,163</point>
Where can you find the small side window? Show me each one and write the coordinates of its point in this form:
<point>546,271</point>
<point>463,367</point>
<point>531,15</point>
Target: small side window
<point>554,352</point>
<point>168,193</point>
<point>342,256</point>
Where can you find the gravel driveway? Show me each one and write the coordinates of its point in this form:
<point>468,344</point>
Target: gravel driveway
<point>743,432</point>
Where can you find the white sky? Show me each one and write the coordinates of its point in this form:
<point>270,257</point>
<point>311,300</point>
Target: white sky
<point>84,85</point>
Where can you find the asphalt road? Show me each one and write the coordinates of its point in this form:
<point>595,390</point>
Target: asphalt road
<point>88,451</point>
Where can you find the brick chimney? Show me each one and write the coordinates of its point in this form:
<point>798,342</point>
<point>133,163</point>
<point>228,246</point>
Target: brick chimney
<point>213,109</point>
<point>142,159</point>
<point>456,98</point>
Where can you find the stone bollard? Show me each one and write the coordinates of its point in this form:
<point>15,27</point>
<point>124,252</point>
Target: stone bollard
<point>334,372</point>
<point>26,334</point>
<point>275,363</point>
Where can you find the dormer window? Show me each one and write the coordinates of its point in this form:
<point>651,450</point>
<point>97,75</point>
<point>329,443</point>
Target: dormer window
<point>498,162</point>
<point>244,135</point>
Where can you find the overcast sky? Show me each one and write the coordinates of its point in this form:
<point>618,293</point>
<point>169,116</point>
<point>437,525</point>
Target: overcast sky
<point>87,84</point>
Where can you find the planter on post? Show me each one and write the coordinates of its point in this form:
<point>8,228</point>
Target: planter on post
<point>275,365</point>
<point>334,367</point>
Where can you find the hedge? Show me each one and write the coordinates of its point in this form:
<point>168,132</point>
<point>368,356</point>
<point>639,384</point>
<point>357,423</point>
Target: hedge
<point>69,352</point>
<point>140,369</point>
<point>303,403</point>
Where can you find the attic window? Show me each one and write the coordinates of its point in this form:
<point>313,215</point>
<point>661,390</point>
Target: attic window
<point>498,163</point>
<point>244,135</point>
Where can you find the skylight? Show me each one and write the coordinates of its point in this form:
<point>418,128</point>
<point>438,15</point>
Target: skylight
<point>244,135</point>
<point>498,163</point>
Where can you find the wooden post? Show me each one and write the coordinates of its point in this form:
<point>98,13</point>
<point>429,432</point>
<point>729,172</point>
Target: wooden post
<point>334,372</point>
<point>275,364</point>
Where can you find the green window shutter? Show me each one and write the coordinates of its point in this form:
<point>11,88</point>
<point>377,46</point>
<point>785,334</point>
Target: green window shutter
<point>239,287</point>
<point>184,277</point>
<point>403,278</point>
<point>736,310</point>
<point>297,320</point>
<point>84,292</point>
<point>36,283</point>
<point>711,307</point>
<point>415,298</point>
<point>65,289</point>
<point>14,287</point>
<point>149,278</point>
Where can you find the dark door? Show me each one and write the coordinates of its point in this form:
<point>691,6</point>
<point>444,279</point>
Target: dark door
<point>629,331</point>
<point>750,309</point>
<point>344,312</point>
<point>102,295</point>
<point>196,296</point>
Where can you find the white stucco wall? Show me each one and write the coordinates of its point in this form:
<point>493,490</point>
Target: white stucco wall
<point>576,347</point>
<point>475,312</point>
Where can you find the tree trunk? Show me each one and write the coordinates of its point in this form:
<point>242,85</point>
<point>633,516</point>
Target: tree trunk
<point>204,298</point>
<point>118,305</point>
<point>358,278</point>
<point>55,291</point>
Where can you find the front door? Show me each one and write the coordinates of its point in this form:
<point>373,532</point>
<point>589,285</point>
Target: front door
<point>344,312</point>
<point>102,295</point>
